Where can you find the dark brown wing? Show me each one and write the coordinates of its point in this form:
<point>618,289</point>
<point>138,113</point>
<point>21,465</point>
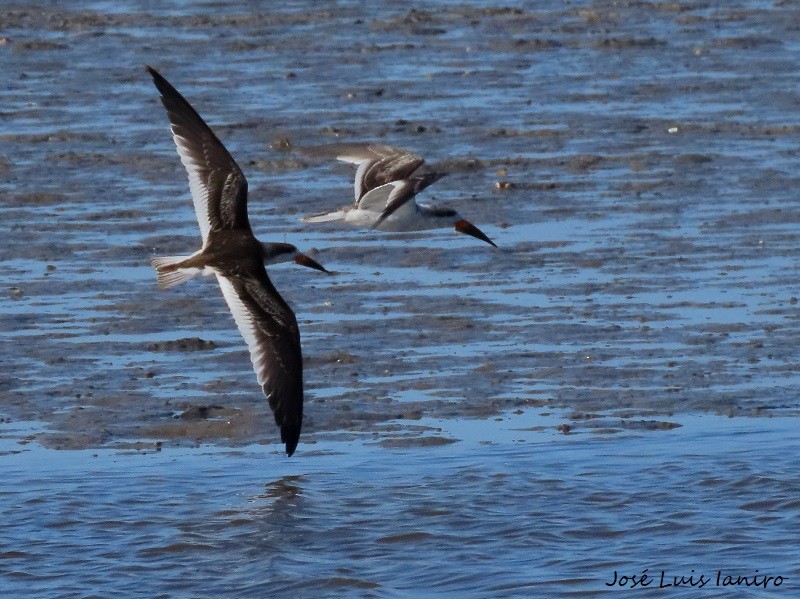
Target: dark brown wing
<point>269,327</point>
<point>380,172</point>
<point>379,165</point>
<point>219,189</point>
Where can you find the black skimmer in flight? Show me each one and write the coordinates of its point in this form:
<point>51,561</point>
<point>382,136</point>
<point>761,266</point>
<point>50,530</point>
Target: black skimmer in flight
<point>232,253</point>
<point>386,183</point>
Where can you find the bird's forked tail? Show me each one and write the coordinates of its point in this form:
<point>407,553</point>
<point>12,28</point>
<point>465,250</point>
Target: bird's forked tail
<point>169,272</point>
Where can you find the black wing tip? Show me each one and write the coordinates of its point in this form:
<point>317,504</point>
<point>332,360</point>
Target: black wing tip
<point>290,430</point>
<point>290,436</point>
<point>288,416</point>
<point>164,86</point>
<point>153,73</point>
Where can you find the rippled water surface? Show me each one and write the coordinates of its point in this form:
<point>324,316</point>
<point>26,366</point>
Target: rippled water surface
<point>510,507</point>
<point>613,389</point>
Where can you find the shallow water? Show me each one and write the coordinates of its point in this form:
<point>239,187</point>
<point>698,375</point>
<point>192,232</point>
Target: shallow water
<point>647,274</point>
<point>509,508</point>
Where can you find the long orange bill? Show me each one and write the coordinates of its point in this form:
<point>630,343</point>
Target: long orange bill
<point>464,226</point>
<point>304,260</point>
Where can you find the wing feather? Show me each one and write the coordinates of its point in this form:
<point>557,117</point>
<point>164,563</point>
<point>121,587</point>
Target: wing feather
<point>269,328</point>
<point>217,184</point>
<point>377,166</point>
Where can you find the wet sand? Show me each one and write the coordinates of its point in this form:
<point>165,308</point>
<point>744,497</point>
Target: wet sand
<point>636,164</point>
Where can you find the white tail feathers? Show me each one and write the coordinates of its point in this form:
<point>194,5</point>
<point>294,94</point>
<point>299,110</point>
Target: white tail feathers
<point>168,274</point>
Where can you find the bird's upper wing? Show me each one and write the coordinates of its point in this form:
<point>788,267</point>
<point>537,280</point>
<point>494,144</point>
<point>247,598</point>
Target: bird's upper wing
<point>269,327</point>
<point>379,165</point>
<point>218,186</point>
<point>358,153</point>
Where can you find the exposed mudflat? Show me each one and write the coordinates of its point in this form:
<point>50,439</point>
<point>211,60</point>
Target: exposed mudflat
<point>636,165</point>
<point>635,162</point>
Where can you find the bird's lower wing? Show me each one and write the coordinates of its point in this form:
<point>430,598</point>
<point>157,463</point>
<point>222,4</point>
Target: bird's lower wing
<point>270,330</point>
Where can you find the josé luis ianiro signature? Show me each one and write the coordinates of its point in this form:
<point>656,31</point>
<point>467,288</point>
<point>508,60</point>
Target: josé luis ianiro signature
<point>662,580</point>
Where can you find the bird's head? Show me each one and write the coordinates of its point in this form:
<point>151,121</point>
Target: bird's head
<point>286,252</point>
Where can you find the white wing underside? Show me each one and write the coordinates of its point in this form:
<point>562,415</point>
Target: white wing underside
<point>197,185</point>
<point>379,199</point>
<point>363,162</point>
<point>375,200</point>
<point>358,182</point>
<point>247,327</point>
<point>359,154</point>
<point>365,158</point>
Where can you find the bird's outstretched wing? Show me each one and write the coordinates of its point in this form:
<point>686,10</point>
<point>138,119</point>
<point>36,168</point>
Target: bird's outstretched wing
<point>270,330</point>
<point>218,186</point>
<point>379,165</point>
